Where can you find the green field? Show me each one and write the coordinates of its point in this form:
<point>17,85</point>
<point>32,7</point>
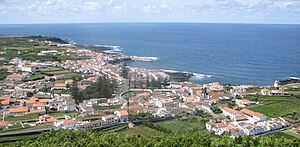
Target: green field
<point>24,117</point>
<point>107,107</point>
<point>62,114</point>
<point>287,134</point>
<point>35,76</point>
<point>290,132</point>
<point>59,72</point>
<point>274,106</point>
<point>141,131</point>
<point>67,73</point>
<point>3,74</point>
<point>253,90</point>
<point>192,123</point>
<point>29,47</point>
<point>130,94</point>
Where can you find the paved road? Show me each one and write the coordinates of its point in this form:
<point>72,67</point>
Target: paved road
<point>121,88</point>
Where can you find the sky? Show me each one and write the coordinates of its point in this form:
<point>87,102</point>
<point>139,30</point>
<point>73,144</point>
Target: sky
<point>98,11</point>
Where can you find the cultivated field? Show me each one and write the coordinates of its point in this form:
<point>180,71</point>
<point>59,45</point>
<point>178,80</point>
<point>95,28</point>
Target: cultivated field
<point>180,125</point>
<point>274,106</point>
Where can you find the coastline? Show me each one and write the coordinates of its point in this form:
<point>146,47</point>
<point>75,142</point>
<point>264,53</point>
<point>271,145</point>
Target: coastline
<point>176,75</point>
<point>121,57</point>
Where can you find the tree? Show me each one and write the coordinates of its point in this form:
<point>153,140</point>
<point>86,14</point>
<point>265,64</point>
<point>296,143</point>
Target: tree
<point>147,80</point>
<point>104,87</point>
<point>124,71</point>
<point>75,93</point>
<point>29,94</point>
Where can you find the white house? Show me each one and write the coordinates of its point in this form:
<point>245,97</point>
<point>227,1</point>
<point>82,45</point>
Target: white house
<point>65,124</point>
<point>279,93</point>
<point>265,92</point>
<point>109,119</point>
<point>233,114</point>
<point>92,124</point>
<point>237,89</point>
<point>63,105</point>
<point>28,68</point>
<point>244,102</point>
<point>162,113</point>
<point>18,111</point>
<point>249,129</point>
<point>216,126</point>
<point>122,115</point>
<point>15,77</point>
<point>216,86</point>
<point>38,106</point>
<point>206,107</point>
<point>113,101</point>
<point>256,115</point>
<point>60,86</point>
<point>165,103</point>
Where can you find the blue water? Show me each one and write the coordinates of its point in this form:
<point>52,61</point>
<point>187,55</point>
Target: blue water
<point>231,53</point>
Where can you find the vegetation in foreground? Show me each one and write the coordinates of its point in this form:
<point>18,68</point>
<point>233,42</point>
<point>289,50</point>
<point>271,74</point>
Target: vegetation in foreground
<point>96,138</point>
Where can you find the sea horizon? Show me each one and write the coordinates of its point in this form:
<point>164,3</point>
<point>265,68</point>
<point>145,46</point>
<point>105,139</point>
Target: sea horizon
<point>155,22</point>
<point>173,43</point>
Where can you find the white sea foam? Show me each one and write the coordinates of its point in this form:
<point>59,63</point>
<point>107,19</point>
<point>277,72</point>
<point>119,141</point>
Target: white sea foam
<point>72,42</point>
<point>144,58</point>
<point>195,76</point>
<point>294,78</point>
<point>114,48</point>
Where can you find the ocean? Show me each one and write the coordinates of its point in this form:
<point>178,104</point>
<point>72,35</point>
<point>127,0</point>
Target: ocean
<point>229,53</point>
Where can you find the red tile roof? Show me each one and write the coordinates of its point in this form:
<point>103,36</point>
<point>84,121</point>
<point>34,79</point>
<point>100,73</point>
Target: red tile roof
<point>38,105</point>
<point>15,76</point>
<point>5,102</point>
<point>68,121</point>
<point>123,112</point>
<point>246,101</point>
<point>37,111</point>
<point>60,85</point>
<point>19,109</point>
<point>252,113</point>
<point>3,123</point>
<point>108,116</point>
<point>231,110</point>
<point>166,100</point>
<point>43,100</point>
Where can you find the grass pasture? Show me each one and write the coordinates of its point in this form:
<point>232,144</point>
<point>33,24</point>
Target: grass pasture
<point>274,106</point>
<point>192,123</point>
<point>287,134</point>
<point>59,72</point>
<point>24,117</point>
<point>142,131</point>
<point>180,125</point>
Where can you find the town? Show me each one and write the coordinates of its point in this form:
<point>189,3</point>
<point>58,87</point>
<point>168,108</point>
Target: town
<point>49,87</point>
